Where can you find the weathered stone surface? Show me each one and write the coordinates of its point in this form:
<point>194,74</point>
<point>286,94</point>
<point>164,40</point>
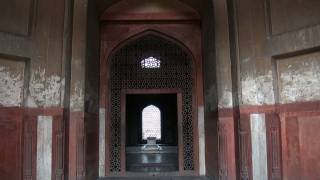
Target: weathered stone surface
<point>77,97</point>
<point>11,82</point>
<point>44,91</point>
<point>258,90</point>
<point>299,78</point>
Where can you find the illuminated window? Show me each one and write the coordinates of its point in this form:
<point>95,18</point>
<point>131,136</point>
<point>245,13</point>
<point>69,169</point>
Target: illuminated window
<point>150,63</point>
<point>151,122</point>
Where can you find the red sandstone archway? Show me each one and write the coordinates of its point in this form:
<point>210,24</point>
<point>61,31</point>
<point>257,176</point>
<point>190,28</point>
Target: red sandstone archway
<point>108,49</point>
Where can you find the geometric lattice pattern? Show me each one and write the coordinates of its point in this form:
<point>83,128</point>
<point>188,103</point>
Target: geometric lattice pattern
<point>127,73</point>
<point>150,62</point>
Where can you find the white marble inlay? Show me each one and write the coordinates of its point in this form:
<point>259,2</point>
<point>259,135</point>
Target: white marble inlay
<point>102,131</point>
<point>44,148</point>
<point>259,147</point>
<point>202,148</point>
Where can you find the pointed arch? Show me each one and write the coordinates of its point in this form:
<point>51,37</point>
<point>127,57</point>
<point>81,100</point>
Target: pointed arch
<point>184,39</point>
<point>155,33</point>
<point>177,71</point>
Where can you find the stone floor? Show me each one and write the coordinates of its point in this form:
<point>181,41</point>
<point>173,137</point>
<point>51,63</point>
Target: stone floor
<point>158,178</point>
<point>160,160</point>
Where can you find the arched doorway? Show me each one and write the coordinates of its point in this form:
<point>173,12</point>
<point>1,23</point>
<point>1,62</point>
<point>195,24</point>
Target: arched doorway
<point>152,124</point>
<point>150,64</point>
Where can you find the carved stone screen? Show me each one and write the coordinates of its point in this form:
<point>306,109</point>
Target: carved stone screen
<point>151,62</point>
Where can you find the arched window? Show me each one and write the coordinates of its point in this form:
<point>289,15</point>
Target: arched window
<point>151,122</point>
<point>150,63</point>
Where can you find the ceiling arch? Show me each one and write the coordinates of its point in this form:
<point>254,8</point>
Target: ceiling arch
<point>199,6</point>
<point>150,10</point>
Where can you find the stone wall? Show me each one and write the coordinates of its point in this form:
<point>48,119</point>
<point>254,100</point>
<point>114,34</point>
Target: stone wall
<point>260,57</point>
<point>31,53</point>
<point>32,86</point>
<point>274,54</point>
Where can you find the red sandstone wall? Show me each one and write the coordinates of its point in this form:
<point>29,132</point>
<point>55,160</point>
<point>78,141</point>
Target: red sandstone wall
<point>276,72</point>
<point>31,83</point>
<point>18,130</point>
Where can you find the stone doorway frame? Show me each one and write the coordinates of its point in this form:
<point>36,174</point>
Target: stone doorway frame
<point>126,92</point>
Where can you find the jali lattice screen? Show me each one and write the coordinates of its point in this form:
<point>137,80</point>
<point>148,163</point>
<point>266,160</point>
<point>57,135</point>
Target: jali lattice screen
<point>172,69</point>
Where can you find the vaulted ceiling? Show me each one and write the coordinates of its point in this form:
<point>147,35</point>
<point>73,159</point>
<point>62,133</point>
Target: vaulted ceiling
<point>198,5</point>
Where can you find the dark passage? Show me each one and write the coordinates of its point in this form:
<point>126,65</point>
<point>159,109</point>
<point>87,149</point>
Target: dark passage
<point>163,155</point>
